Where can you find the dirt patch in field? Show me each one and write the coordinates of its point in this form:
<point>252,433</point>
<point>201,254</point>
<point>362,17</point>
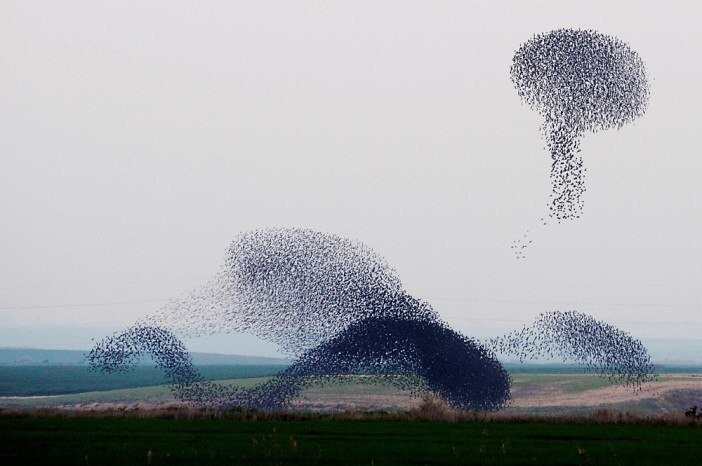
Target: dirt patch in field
<point>541,390</point>
<point>682,386</point>
<point>336,402</point>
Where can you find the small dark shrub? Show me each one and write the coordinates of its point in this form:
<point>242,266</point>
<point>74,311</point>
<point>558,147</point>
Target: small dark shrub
<point>693,413</point>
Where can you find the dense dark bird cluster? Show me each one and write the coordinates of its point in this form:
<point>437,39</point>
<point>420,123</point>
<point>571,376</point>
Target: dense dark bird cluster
<point>576,337</point>
<point>339,308</point>
<point>579,81</point>
<point>425,353</point>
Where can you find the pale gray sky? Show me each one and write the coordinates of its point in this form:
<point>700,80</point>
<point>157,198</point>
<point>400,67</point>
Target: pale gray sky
<point>138,138</point>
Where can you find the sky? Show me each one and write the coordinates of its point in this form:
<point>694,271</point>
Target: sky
<point>138,138</point>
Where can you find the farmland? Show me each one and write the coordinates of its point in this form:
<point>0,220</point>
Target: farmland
<point>58,380</point>
<point>557,415</point>
<point>533,392</point>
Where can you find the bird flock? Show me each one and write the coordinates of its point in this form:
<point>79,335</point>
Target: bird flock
<point>580,338</point>
<point>334,304</point>
<point>579,81</point>
<point>340,310</point>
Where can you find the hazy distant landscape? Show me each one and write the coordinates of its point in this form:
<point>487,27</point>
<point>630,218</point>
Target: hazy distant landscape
<point>36,356</point>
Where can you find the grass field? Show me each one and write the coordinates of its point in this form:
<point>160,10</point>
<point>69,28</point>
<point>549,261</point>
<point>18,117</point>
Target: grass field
<point>58,380</point>
<point>318,439</point>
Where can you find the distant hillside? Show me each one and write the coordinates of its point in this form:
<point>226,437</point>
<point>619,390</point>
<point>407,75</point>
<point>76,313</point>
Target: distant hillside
<point>35,356</point>
<point>664,351</point>
<point>674,350</point>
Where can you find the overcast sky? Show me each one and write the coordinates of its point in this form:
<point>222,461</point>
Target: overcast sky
<point>138,138</point>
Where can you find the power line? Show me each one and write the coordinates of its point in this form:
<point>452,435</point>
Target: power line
<point>467,299</point>
<point>59,306</point>
<point>473,319</point>
<point>618,322</point>
<point>557,303</point>
<point>578,283</point>
<point>101,284</point>
<point>405,276</point>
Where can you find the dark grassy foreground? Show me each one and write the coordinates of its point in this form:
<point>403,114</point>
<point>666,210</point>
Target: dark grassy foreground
<point>187,437</point>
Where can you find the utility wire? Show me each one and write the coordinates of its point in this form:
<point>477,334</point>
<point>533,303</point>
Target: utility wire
<point>59,306</point>
<point>431,298</point>
<point>557,303</point>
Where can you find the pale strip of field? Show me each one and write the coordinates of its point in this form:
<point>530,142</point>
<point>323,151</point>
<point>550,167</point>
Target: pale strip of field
<point>144,397</point>
<point>556,395</point>
<point>532,393</point>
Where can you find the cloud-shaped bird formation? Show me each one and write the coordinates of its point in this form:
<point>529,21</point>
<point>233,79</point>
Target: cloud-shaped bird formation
<point>579,81</point>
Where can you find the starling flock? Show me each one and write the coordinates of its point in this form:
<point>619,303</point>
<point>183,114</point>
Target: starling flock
<point>576,337</point>
<point>579,81</point>
<point>417,355</point>
<point>334,304</point>
<point>340,310</point>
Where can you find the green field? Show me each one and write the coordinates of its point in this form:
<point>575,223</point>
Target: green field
<point>57,380</point>
<point>314,439</point>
